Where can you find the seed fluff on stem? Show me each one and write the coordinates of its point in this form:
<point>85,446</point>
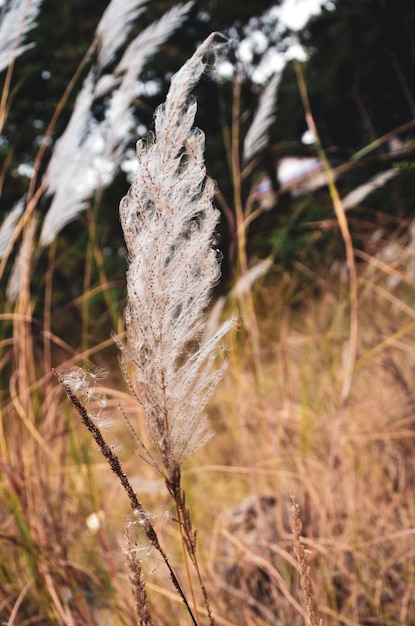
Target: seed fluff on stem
<point>169,222</point>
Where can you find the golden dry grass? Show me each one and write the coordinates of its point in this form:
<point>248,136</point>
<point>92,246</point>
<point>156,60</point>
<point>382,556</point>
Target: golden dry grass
<point>349,466</point>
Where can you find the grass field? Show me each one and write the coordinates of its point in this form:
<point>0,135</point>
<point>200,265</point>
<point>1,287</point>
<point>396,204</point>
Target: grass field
<point>312,419</point>
<point>350,468</point>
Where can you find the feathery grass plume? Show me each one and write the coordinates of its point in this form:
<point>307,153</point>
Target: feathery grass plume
<point>150,40</point>
<point>20,272</point>
<point>85,158</point>
<point>114,27</point>
<point>257,136</point>
<point>140,50</point>
<point>66,176</point>
<point>8,225</point>
<point>169,221</point>
<point>16,19</point>
<point>357,195</point>
<point>89,152</point>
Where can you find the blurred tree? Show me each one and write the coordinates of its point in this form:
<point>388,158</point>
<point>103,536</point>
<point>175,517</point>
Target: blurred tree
<point>63,34</point>
<point>361,72</point>
<point>360,77</point>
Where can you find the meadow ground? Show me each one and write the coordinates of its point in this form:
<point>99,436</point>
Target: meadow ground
<point>280,430</point>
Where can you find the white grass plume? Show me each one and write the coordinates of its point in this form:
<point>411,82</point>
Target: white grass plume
<point>114,27</point>
<point>9,224</point>
<point>357,195</point>
<point>169,221</point>
<point>66,176</point>
<point>150,40</point>
<point>141,49</point>
<point>89,153</point>
<point>257,137</point>
<point>86,157</point>
<point>16,19</point>
<point>21,269</point>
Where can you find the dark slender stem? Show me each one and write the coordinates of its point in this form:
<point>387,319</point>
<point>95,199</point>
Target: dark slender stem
<point>115,465</point>
<point>187,531</point>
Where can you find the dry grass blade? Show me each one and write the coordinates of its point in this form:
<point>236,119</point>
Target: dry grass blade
<point>345,232</point>
<point>304,566</point>
<point>138,582</point>
<point>77,379</point>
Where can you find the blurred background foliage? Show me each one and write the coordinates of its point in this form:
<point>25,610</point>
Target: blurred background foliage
<point>360,75</point>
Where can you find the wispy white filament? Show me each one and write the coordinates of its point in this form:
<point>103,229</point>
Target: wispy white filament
<point>9,224</point>
<point>169,221</point>
<point>15,21</point>
<point>257,136</point>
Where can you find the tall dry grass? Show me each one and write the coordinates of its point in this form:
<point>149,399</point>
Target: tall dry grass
<point>73,552</point>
